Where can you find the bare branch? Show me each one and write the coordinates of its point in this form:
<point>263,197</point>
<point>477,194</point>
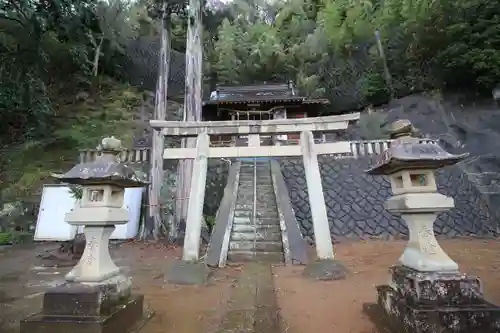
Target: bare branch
<point>18,8</point>
<point>13,19</point>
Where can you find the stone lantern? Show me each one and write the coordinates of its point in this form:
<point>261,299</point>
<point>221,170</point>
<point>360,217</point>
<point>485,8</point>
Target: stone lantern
<point>97,296</point>
<point>427,293</point>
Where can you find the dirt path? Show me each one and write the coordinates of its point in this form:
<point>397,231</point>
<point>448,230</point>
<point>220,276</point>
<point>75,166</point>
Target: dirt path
<point>246,298</point>
<point>336,306</point>
<point>252,306</point>
<point>183,309</point>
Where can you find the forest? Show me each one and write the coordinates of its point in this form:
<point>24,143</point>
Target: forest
<point>72,71</point>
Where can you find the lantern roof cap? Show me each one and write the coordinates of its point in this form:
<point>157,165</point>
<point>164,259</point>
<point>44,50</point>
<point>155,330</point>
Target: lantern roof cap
<point>107,169</point>
<point>408,152</point>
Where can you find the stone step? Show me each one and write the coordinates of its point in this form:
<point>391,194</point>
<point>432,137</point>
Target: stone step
<point>262,199</point>
<point>266,201</point>
<point>242,219</point>
<point>245,197</point>
<point>246,256</point>
<point>267,219</point>
<point>258,169</point>
<point>270,214</point>
<point>265,193</point>
<point>256,236</point>
<point>267,212</point>
<point>245,185</point>
<point>246,175</point>
<point>263,221</point>
<point>246,188</point>
<point>245,193</point>
<point>243,206</point>
<point>257,246</point>
<point>256,228</point>
<point>243,213</point>
<point>270,211</point>
<point>266,188</point>
<point>269,201</point>
<point>260,222</point>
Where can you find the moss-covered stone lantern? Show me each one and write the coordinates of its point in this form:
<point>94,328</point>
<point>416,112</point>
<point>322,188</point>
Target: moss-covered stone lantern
<point>97,295</point>
<point>101,208</point>
<point>427,293</point>
<point>411,165</point>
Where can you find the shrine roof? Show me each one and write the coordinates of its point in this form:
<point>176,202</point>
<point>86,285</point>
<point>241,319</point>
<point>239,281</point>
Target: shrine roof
<point>260,93</point>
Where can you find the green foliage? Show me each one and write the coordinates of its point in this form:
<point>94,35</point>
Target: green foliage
<point>76,191</point>
<point>427,44</point>
<point>5,238</point>
<point>50,55</point>
<point>372,125</point>
<point>210,222</point>
<point>83,122</point>
<point>62,62</point>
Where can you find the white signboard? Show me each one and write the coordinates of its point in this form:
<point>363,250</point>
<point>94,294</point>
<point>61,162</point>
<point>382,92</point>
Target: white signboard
<point>57,201</point>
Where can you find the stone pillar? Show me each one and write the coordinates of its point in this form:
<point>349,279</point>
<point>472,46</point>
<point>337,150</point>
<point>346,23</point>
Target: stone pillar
<point>324,247</point>
<point>325,267</point>
<point>233,137</point>
<point>253,140</point>
<point>196,200</point>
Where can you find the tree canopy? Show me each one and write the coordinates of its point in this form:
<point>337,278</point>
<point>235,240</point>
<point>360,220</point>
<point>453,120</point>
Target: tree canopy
<point>51,50</point>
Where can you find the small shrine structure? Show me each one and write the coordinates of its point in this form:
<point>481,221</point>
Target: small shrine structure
<point>427,292</point>
<point>266,101</point>
<point>97,296</point>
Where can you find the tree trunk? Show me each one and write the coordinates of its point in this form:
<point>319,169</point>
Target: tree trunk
<point>158,139</point>
<point>97,55</point>
<point>192,100</point>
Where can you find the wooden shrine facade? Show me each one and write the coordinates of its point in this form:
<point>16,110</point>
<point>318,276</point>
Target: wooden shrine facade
<point>259,102</point>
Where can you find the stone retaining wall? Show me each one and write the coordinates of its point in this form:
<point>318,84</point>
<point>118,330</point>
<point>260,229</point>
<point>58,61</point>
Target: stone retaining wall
<point>355,201</point>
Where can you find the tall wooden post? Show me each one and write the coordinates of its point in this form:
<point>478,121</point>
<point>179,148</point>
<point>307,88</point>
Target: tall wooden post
<point>192,98</point>
<point>160,114</point>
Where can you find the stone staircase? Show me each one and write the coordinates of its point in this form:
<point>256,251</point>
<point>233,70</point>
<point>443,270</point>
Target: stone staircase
<point>256,232</point>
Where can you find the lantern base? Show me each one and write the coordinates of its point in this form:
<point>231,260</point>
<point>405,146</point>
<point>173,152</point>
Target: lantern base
<point>83,308</point>
<point>433,302</point>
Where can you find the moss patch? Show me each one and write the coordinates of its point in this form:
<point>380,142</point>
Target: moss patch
<point>82,120</point>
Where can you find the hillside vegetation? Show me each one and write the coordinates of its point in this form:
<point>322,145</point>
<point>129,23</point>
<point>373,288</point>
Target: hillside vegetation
<point>66,66</point>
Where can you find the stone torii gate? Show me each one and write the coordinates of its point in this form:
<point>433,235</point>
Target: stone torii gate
<point>307,148</point>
